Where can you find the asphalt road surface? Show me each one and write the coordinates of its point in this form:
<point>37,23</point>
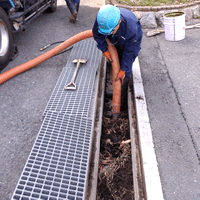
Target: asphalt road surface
<point>170,72</point>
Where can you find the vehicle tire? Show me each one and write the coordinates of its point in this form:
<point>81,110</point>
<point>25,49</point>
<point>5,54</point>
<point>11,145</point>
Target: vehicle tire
<point>53,6</point>
<point>6,39</point>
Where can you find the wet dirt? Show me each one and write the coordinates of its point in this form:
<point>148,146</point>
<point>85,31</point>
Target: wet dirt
<point>115,178</point>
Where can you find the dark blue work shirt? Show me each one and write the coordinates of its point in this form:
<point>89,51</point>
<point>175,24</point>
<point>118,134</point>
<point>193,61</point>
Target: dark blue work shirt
<point>128,37</point>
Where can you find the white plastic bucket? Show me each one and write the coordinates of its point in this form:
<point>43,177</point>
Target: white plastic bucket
<point>174,23</point>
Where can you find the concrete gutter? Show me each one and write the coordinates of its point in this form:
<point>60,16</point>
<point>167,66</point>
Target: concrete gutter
<point>96,140</point>
<point>150,174</point>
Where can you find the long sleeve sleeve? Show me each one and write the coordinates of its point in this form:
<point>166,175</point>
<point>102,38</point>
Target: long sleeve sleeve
<point>99,38</point>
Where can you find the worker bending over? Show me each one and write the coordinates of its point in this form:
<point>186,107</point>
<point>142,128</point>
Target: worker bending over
<point>123,30</point>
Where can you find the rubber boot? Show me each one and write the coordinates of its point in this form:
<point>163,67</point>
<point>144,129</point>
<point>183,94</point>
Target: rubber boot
<point>72,9</point>
<point>77,9</point>
<point>124,93</point>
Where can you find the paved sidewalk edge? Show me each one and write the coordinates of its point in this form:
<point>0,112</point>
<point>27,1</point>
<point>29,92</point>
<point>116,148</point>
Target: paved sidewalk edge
<point>148,157</point>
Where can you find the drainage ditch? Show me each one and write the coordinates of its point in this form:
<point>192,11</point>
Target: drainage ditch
<point>111,168</point>
<point>115,178</point>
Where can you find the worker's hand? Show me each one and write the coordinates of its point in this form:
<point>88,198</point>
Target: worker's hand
<point>108,56</point>
<point>120,76</point>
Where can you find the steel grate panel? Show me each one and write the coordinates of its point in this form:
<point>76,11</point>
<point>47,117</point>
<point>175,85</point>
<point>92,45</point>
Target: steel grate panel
<point>57,166</point>
<point>58,163</point>
<point>73,102</point>
<point>76,102</point>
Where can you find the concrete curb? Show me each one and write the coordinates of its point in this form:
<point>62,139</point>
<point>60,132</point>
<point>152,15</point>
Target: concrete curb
<point>151,177</point>
<point>153,8</point>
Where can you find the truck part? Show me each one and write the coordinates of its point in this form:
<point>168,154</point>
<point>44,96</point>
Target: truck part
<point>15,15</point>
<point>22,19</point>
<point>72,85</point>
<point>53,6</point>
<point>32,63</point>
<point>6,39</point>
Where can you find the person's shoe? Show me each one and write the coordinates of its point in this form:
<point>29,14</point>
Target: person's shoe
<point>72,9</point>
<point>73,17</point>
<point>75,21</point>
<point>77,9</point>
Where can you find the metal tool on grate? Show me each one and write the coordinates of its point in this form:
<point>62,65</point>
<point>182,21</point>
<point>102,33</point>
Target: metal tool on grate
<point>72,85</point>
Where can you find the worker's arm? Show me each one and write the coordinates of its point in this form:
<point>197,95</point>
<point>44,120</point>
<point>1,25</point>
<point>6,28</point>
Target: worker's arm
<point>99,38</point>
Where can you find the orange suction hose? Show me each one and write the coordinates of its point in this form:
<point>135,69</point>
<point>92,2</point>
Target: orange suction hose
<point>116,84</point>
<point>32,63</point>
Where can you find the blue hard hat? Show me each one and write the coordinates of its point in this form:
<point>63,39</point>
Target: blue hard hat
<point>108,17</point>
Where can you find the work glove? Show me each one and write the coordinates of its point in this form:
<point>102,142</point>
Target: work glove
<point>120,76</point>
<point>108,56</point>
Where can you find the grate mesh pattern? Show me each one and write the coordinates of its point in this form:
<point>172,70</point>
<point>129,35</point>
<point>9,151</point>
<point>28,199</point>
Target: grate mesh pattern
<point>76,102</point>
<point>86,49</point>
<point>57,165</point>
<point>73,102</point>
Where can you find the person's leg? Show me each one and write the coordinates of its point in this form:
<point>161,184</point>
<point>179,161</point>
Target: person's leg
<point>72,9</point>
<point>124,89</point>
<point>77,9</point>
<point>124,93</point>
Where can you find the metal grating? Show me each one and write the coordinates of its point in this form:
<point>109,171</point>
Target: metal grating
<point>57,165</point>
<point>76,102</point>
<point>73,102</point>
<point>86,49</point>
